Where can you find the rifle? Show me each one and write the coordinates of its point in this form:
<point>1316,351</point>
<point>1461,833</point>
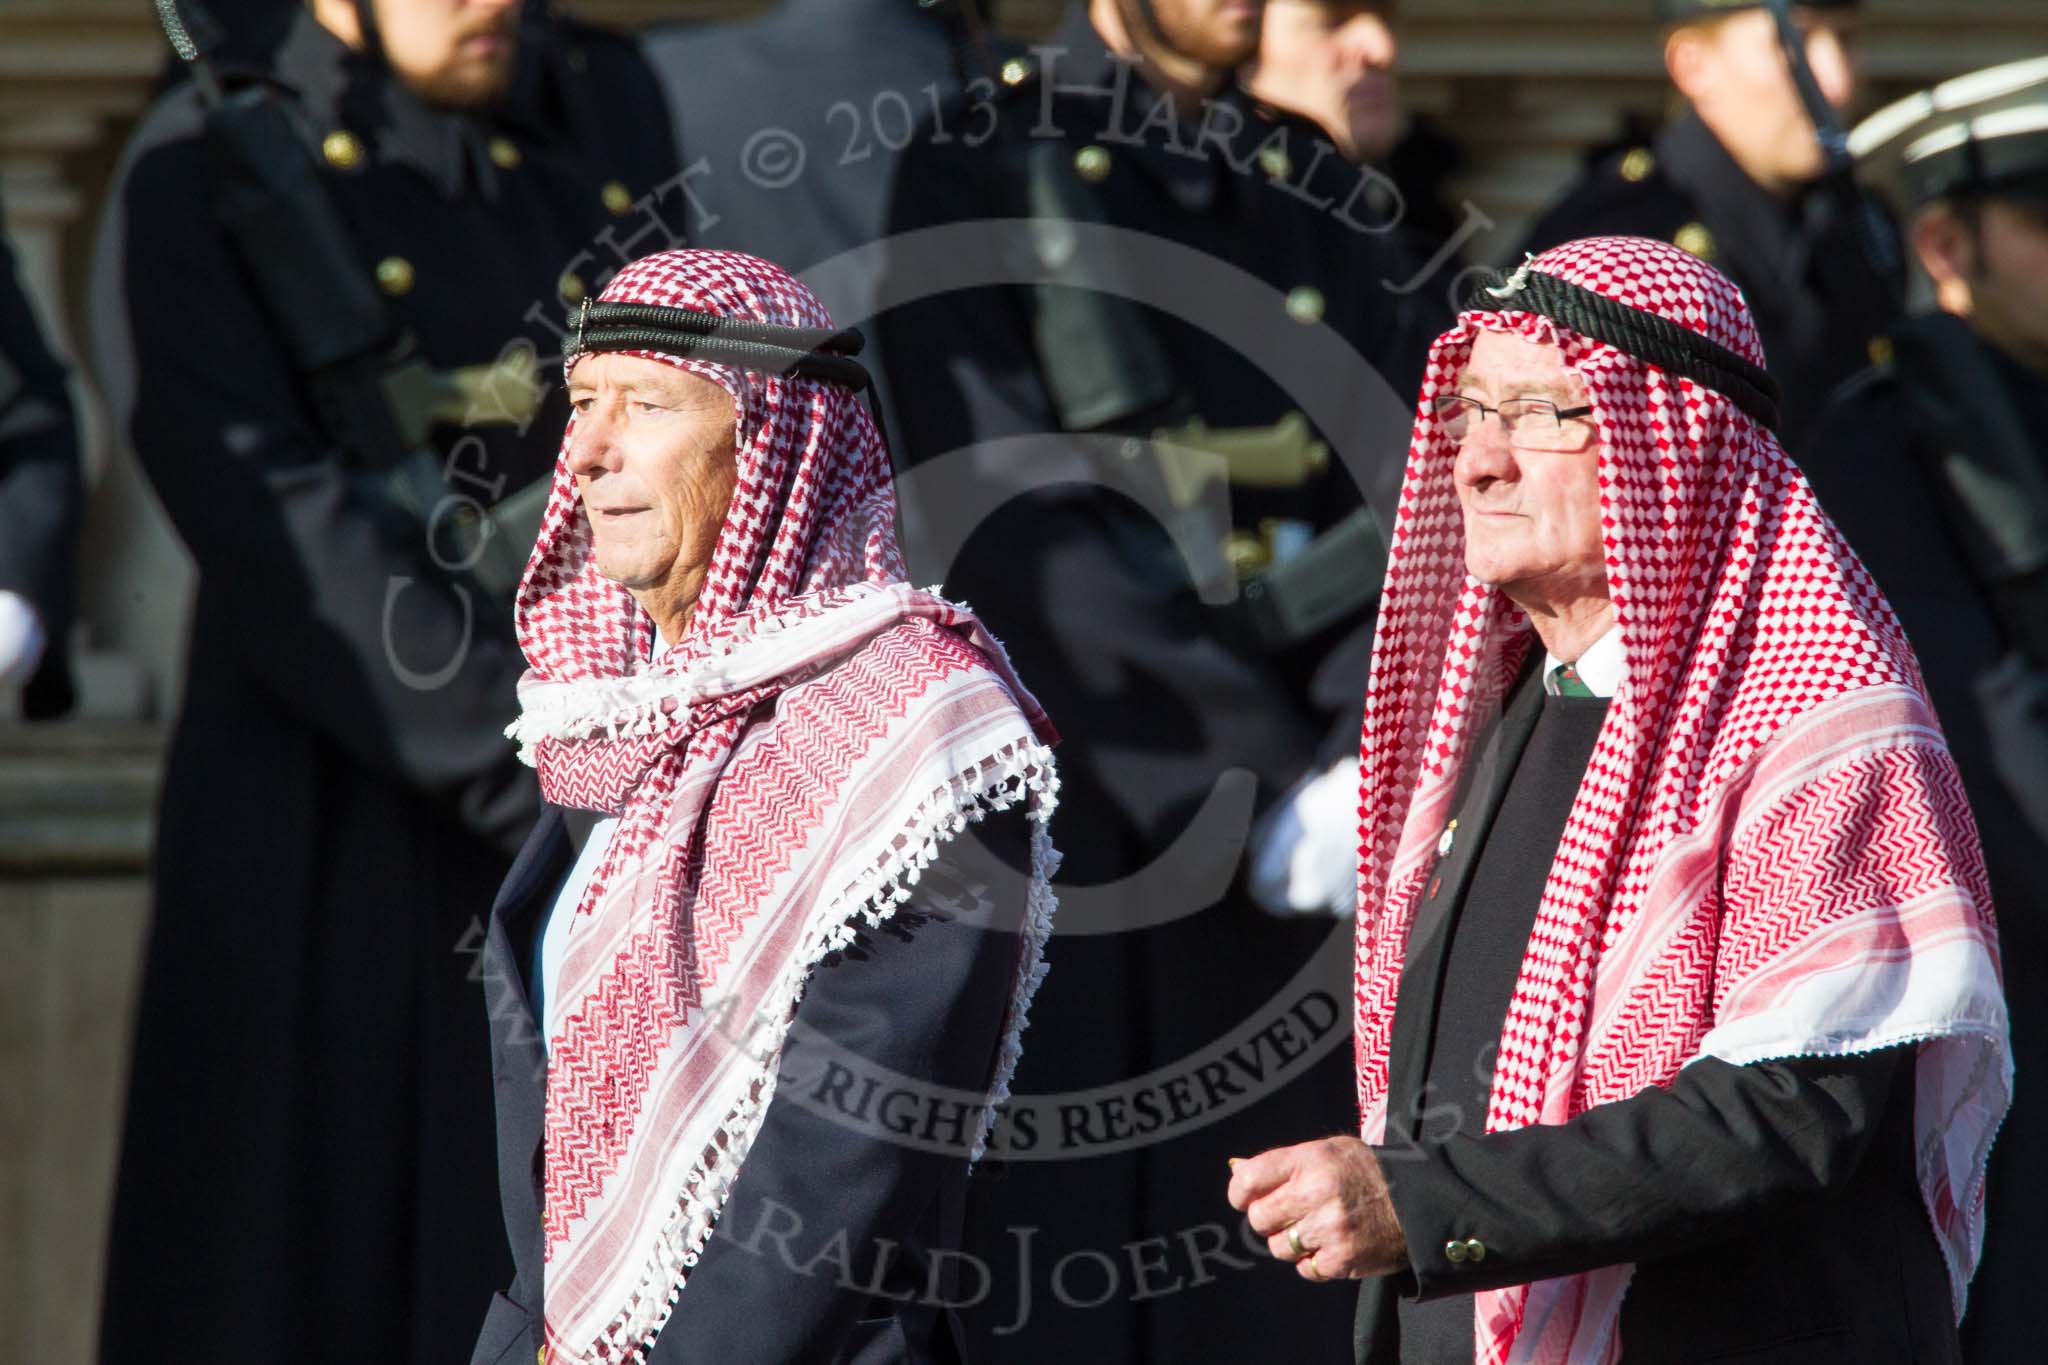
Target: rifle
<point>1838,165</point>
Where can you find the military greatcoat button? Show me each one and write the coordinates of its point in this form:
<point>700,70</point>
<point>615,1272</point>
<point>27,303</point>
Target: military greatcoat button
<point>1305,303</point>
<point>504,153</point>
<point>1246,553</point>
<point>1273,160</point>
<point>1637,165</point>
<point>1880,350</point>
<point>1092,162</point>
<point>571,287</point>
<point>1015,70</point>
<point>395,276</point>
<point>1695,238</point>
<point>1455,1251</point>
<point>1475,1251</point>
<point>617,198</point>
<point>343,149</point>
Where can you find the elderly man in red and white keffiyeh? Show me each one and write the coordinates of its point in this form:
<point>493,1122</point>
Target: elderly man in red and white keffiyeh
<point>1679,1026</point>
<point>780,742</point>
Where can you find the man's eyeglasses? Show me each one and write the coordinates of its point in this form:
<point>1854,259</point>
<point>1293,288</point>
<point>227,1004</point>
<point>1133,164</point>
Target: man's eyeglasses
<point>1531,423</point>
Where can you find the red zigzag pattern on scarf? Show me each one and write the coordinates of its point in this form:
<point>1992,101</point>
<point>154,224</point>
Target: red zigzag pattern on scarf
<point>823,729</point>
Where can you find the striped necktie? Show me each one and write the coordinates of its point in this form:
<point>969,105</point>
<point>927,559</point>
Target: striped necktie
<point>1566,682</point>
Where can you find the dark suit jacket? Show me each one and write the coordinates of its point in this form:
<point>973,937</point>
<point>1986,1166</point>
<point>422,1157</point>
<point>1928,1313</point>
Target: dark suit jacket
<point>1772,1210</point>
<point>923,996</point>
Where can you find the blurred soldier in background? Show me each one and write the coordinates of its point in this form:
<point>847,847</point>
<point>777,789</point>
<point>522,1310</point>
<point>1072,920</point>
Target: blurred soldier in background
<point>793,124</point>
<point>327,293</point>
<point>847,81</point>
<point>1107,284</point>
<point>39,509</point>
<point>1332,61</point>
<point>1741,180</point>
<point>1935,463</point>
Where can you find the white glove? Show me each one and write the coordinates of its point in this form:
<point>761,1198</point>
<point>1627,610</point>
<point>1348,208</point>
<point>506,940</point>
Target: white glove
<point>21,639</point>
<point>1305,851</point>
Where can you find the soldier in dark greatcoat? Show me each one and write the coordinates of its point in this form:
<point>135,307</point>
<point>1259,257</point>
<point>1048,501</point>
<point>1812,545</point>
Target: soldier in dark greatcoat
<point>793,123</point>
<point>326,296</point>
<point>1153,346</point>
<point>1737,181</point>
<point>1935,464</point>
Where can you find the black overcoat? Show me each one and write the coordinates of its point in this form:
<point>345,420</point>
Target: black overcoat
<point>306,1169</point>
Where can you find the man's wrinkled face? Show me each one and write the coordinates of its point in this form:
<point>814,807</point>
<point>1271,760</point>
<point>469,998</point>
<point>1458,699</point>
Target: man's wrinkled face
<point>1332,61</point>
<point>457,53</point>
<point>1220,34</point>
<point>1738,79</point>
<point>1532,518</point>
<point>654,458</point>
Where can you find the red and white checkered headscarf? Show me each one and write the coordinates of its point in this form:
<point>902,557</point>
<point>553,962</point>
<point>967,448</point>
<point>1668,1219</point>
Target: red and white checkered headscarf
<point>781,777</point>
<point>1770,854</point>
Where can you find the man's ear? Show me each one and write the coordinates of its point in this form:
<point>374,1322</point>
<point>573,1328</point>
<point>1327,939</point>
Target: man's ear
<point>1947,249</point>
<point>1688,60</point>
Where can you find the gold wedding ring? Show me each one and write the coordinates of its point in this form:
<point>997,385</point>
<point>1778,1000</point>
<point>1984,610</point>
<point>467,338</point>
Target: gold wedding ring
<point>1294,1240</point>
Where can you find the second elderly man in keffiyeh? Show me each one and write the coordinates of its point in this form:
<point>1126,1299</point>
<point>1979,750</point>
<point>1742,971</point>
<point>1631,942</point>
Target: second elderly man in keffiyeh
<point>736,927</point>
<point>1679,1026</point>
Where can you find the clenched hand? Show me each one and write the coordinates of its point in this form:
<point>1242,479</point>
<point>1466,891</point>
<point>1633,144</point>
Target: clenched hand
<point>1331,1195</point>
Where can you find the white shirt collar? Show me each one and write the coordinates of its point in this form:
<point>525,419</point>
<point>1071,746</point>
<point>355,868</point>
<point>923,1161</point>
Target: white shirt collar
<point>1600,667</point>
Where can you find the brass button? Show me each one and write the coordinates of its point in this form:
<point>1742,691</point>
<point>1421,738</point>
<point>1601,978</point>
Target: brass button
<point>1274,161</point>
<point>617,198</point>
<point>395,275</point>
<point>1695,238</point>
<point>504,153</point>
<point>1092,162</point>
<point>570,286</point>
<point>1637,165</point>
<point>1247,554</point>
<point>1475,1250</point>
<point>343,149</point>
<point>1305,303</point>
<point>1455,1252</point>
<point>1880,350</point>
<point>1015,70</point>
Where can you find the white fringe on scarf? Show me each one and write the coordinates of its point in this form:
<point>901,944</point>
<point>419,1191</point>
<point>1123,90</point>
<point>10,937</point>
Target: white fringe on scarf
<point>1020,772</point>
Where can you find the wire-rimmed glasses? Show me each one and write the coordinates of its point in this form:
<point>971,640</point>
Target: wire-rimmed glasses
<point>1531,423</point>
